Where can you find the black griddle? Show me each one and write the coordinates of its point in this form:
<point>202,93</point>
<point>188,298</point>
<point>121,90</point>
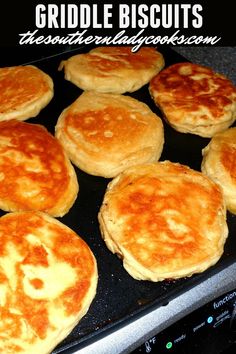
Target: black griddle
<point>119,298</point>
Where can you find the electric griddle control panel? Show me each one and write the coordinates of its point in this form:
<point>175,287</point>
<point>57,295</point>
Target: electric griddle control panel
<point>210,329</point>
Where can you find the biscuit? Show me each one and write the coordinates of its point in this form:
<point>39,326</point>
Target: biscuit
<point>24,92</point>
<point>113,69</point>
<point>105,133</point>
<point>48,281</point>
<point>219,158</point>
<point>35,172</point>
<point>194,99</point>
<point>164,220</point>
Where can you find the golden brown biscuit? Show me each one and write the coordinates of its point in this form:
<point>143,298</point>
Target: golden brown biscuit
<point>219,163</point>
<point>105,133</point>
<point>194,99</point>
<point>164,220</point>
<point>24,92</point>
<point>48,281</point>
<point>113,69</point>
<point>35,173</point>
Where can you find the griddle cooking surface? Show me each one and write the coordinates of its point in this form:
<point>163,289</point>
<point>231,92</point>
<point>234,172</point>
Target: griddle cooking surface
<point>119,298</point>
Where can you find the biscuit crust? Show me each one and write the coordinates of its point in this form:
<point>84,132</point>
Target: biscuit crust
<point>48,281</point>
<point>105,133</point>
<point>35,171</point>
<point>164,220</point>
<point>194,99</point>
<point>24,92</point>
<point>113,69</point>
<point>219,163</point>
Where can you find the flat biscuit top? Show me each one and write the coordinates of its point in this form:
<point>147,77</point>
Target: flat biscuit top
<point>166,219</point>
<point>33,174</point>
<point>105,133</point>
<point>190,86</point>
<point>107,59</point>
<point>113,126</point>
<point>113,69</point>
<point>107,128</point>
<point>21,85</point>
<point>46,272</point>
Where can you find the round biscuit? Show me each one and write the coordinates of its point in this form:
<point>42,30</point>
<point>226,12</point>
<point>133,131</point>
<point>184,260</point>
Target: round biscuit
<point>164,220</point>
<point>35,172</point>
<point>219,163</point>
<point>113,69</point>
<point>24,91</point>
<point>103,134</point>
<point>48,281</point>
<point>194,99</point>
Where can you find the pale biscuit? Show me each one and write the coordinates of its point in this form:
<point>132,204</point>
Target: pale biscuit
<point>164,220</point>
<point>105,133</point>
<point>194,99</point>
<point>219,163</point>
<point>48,281</point>
<point>24,92</point>
<point>113,69</point>
<point>35,172</point>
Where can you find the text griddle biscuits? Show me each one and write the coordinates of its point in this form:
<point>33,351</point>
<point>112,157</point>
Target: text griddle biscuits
<point>24,92</point>
<point>48,281</point>
<point>113,69</point>
<point>105,133</point>
<point>164,220</point>
<point>194,99</point>
<point>35,173</point>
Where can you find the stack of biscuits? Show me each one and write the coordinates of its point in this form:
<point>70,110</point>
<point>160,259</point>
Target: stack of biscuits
<point>164,220</point>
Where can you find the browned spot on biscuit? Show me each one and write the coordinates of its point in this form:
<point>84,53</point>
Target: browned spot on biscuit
<point>34,173</point>
<point>49,278</point>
